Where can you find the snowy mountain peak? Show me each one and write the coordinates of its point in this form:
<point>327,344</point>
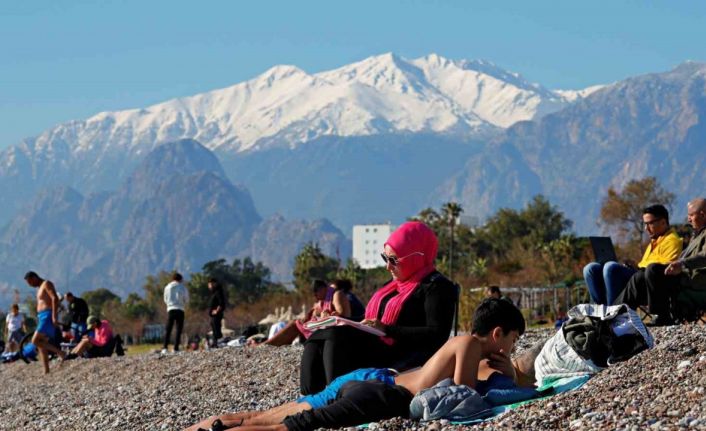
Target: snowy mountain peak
<point>280,72</point>
<point>382,72</point>
<point>286,106</point>
<point>573,95</point>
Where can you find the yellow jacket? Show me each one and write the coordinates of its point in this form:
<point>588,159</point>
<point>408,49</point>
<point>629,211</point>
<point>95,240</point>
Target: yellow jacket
<point>664,249</point>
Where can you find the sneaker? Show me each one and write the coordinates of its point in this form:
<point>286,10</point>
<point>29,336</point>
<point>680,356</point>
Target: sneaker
<point>164,351</point>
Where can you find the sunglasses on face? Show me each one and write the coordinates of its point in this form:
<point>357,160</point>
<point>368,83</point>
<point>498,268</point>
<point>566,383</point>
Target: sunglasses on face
<point>394,260</point>
<point>651,222</point>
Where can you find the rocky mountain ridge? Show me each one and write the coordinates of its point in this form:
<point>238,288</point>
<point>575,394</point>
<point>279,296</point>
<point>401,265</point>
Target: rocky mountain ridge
<point>650,125</point>
<point>284,107</point>
<point>176,211</point>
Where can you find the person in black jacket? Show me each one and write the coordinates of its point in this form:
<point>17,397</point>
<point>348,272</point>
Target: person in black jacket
<point>216,307</point>
<point>78,312</point>
<point>415,311</point>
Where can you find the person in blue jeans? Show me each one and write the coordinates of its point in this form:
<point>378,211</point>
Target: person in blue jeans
<point>606,281</point>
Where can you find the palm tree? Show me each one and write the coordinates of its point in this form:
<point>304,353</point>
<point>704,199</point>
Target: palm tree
<point>450,212</point>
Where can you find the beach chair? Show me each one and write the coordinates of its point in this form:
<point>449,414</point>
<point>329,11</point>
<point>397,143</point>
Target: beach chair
<point>458,297</point>
<point>689,305</point>
<point>645,312</point>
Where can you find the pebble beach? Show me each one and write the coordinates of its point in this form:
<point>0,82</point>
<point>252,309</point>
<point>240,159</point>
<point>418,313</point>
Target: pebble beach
<point>663,388</point>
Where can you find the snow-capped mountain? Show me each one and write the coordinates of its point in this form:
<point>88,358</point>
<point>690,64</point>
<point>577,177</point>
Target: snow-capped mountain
<point>286,105</point>
<point>284,108</point>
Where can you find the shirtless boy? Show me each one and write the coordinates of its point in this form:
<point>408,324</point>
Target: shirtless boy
<point>47,305</point>
<point>497,325</point>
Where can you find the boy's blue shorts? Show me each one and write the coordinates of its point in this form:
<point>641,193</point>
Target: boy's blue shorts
<point>324,397</point>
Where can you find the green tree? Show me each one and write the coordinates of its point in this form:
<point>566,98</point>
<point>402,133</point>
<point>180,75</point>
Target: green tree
<point>365,281</point>
<point>135,307</point>
<point>154,294</point>
<point>243,282</point>
<point>428,216</point>
<point>450,212</point>
<point>622,209</point>
<point>479,269</point>
<point>456,241</point>
<point>556,258</point>
<point>538,222</point>
<point>98,298</point>
<point>312,263</point>
<point>352,271</point>
<point>198,291</point>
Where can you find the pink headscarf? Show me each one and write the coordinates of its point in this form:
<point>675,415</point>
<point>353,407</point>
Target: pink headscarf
<point>410,238</point>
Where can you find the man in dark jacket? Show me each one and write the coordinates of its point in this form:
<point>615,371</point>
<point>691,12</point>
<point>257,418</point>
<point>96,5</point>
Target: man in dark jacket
<point>78,311</point>
<point>216,307</point>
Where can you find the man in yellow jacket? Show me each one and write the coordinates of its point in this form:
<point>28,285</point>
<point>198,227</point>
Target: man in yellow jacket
<point>606,282</point>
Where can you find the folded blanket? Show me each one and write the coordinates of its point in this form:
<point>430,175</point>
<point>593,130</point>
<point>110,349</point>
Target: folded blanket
<point>462,403</point>
<point>550,388</point>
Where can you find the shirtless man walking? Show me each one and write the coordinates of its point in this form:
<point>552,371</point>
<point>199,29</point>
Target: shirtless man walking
<point>47,305</point>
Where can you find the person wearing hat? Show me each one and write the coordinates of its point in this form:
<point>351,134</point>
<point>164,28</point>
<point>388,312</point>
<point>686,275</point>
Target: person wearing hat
<point>97,345</point>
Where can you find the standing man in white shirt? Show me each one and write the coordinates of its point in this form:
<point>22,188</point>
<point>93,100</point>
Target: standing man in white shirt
<point>176,297</point>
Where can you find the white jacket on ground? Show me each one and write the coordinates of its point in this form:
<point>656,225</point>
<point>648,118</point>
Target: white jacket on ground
<point>175,296</point>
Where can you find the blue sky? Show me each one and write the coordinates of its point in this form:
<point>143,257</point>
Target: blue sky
<point>62,60</point>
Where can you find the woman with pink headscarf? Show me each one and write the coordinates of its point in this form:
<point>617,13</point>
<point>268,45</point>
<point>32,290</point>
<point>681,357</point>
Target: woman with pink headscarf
<point>414,310</point>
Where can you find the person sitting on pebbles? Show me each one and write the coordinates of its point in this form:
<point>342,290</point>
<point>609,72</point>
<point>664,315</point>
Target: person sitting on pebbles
<point>100,344</point>
<point>373,394</point>
<point>329,302</point>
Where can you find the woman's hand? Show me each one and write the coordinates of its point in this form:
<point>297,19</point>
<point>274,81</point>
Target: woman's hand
<point>374,323</point>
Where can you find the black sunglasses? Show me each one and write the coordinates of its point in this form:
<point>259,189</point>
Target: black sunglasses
<point>394,260</point>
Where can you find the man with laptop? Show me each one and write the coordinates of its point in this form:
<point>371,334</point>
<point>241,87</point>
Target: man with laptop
<point>607,278</point>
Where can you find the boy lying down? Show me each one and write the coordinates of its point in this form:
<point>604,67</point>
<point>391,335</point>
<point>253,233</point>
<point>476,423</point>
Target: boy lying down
<point>373,394</point>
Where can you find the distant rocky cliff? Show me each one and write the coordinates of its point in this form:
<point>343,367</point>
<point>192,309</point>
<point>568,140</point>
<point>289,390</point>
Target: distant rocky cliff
<point>176,211</point>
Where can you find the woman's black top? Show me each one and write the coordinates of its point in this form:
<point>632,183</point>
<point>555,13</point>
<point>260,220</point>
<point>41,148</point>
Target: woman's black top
<point>425,321</point>
<point>357,307</point>
<point>217,298</point>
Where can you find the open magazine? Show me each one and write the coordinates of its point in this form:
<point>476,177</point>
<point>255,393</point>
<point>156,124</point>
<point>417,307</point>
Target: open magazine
<point>328,322</point>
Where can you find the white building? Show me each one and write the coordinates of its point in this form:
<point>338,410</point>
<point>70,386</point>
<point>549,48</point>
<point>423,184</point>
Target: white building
<point>368,243</point>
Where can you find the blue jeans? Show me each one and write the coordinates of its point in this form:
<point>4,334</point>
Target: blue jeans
<point>78,330</point>
<point>605,282</point>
